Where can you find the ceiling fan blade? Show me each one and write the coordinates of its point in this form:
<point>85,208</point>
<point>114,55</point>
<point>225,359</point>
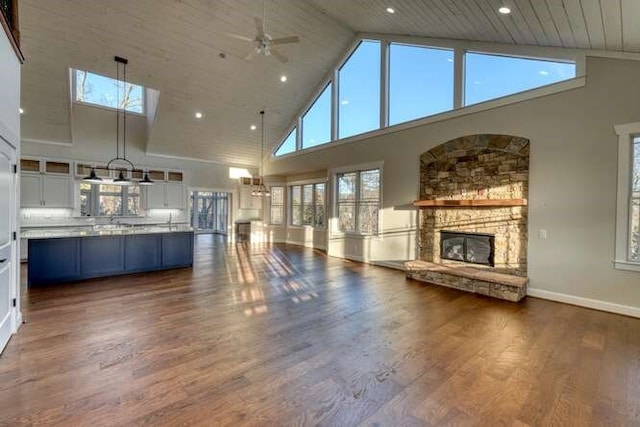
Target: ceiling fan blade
<point>285,40</point>
<point>259,26</point>
<point>250,56</point>
<point>280,57</point>
<point>239,37</point>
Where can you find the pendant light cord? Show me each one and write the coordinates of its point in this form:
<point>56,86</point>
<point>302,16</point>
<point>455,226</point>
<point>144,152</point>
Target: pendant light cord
<point>117,110</point>
<point>262,147</point>
<point>124,114</point>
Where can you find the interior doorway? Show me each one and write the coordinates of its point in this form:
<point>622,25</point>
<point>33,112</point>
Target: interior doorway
<point>7,247</point>
<point>209,211</point>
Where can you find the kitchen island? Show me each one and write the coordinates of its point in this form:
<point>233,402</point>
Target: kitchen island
<point>69,255</point>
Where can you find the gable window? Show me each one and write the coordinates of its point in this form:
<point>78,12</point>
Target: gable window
<point>109,200</point>
<point>420,82</point>
<point>358,201</point>
<point>493,76</point>
<point>316,123</point>
<point>277,206</point>
<point>307,204</point>
<point>94,89</point>
<point>288,145</point>
<point>359,91</point>
<point>627,254</point>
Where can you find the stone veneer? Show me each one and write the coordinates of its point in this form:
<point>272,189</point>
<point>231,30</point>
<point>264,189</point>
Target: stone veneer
<point>477,167</point>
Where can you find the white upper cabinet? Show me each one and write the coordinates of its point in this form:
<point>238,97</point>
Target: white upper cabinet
<point>45,183</point>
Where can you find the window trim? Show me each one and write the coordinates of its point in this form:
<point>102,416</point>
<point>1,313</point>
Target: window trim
<point>289,204</point>
<point>626,135</point>
<point>74,89</point>
<point>284,206</point>
<point>334,228</point>
<point>94,201</point>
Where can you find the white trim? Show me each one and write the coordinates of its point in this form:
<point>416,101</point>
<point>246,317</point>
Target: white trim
<point>626,265</point>
<point>298,243</point>
<point>47,142</point>
<point>626,133</point>
<point>538,92</point>
<point>193,159</point>
<point>610,307</point>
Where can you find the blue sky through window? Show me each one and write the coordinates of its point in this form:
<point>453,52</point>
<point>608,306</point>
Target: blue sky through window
<point>316,123</point>
<point>420,82</point>
<point>107,92</point>
<point>288,145</point>
<point>492,76</point>
<point>359,98</point>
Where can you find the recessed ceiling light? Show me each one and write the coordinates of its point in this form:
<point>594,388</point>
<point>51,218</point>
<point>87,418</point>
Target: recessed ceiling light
<point>283,78</point>
<point>391,10</point>
<point>198,115</point>
<point>21,111</point>
<point>253,127</point>
<point>504,10</point>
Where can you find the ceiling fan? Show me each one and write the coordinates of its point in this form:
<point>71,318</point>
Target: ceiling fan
<point>264,43</point>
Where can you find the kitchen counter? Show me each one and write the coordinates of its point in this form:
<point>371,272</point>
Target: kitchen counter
<point>70,255</point>
<point>105,230</point>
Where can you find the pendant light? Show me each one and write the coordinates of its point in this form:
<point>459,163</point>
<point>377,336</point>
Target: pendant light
<point>92,178</point>
<point>260,189</point>
<point>146,180</point>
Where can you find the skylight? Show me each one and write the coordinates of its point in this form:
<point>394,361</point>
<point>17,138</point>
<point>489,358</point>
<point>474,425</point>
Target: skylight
<point>94,89</point>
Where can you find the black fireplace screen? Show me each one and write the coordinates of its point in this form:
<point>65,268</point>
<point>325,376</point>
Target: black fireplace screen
<point>474,248</point>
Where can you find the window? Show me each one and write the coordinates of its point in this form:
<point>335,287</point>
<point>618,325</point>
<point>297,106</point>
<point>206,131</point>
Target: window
<point>316,123</point>
<point>288,145</point>
<point>358,201</point>
<point>277,205</point>
<point>296,203</point>
<point>627,253</point>
<point>307,204</point>
<point>109,200</point>
<point>104,91</point>
<point>359,97</point>
<point>420,82</point>
<point>492,76</point>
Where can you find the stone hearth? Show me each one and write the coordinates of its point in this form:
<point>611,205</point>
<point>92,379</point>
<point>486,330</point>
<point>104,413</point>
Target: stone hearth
<point>477,168</point>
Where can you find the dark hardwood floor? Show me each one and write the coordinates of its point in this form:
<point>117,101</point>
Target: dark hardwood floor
<point>281,335</point>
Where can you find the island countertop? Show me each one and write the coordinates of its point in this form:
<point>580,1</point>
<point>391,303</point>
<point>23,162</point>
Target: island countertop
<point>103,230</point>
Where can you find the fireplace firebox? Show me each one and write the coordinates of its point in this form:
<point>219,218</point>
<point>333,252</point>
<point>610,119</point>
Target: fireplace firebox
<point>475,248</point>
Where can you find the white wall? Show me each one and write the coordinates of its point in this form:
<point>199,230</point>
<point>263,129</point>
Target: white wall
<point>572,180</point>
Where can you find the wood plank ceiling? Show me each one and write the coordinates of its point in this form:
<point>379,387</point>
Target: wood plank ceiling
<point>174,46</point>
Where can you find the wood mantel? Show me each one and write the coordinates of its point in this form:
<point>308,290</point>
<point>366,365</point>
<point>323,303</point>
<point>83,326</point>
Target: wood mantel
<point>469,203</point>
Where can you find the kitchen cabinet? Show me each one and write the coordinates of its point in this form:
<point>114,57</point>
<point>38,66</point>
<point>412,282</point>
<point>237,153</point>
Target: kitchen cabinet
<point>64,259</point>
<point>164,195</point>
<point>45,183</point>
<point>247,201</point>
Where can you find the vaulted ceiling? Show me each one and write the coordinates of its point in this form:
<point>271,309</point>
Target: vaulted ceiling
<point>174,46</point>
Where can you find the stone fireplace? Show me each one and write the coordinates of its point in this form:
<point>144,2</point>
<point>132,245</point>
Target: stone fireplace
<point>477,184</point>
<point>472,248</point>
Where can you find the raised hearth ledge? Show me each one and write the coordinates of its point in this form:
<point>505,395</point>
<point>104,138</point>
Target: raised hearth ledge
<point>484,282</point>
<point>464,203</point>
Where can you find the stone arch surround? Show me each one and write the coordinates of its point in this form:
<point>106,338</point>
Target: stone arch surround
<point>484,166</point>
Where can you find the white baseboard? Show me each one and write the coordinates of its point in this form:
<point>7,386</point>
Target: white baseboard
<point>585,302</point>
<point>388,264</point>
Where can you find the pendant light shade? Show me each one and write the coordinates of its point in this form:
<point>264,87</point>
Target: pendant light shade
<point>145,180</point>
<point>92,178</point>
<point>121,180</point>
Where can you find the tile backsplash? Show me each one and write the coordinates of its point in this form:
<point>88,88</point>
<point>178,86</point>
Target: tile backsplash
<point>38,217</point>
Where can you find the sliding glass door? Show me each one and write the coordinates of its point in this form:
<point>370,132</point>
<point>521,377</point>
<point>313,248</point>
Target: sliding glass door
<point>209,211</point>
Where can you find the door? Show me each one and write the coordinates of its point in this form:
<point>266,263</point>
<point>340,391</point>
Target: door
<point>7,213</point>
